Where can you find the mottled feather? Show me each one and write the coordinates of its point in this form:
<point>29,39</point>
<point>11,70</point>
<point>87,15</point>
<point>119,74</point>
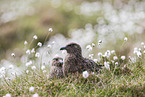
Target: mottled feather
<point>56,68</point>
<point>75,62</point>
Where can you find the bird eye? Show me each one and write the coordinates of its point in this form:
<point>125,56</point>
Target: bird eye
<point>70,45</point>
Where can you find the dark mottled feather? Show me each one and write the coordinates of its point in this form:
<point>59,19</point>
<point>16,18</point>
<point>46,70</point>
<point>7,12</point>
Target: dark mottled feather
<point>75,62</point>
<point>56,68</point>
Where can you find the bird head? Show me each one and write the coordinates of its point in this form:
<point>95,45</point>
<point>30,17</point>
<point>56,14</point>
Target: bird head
<point>58,61</point>
<point>72,48</point>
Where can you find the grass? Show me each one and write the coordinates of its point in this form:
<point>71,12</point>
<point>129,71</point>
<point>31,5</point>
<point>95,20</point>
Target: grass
<point>124,79</point>
<point>119,81</point>
<point>106,83</point>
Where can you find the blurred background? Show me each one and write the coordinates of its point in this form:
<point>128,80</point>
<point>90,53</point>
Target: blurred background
<point>109,20</point>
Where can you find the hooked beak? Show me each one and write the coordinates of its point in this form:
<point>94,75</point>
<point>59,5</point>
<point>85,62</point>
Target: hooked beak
<point>63,48</point>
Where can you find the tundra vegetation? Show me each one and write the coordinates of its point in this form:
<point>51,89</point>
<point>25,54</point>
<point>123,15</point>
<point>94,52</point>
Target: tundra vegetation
<point>110,32</point>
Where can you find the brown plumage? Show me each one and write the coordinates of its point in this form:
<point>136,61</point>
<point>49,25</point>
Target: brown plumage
<point>56,68</point>
<point>75,62</point>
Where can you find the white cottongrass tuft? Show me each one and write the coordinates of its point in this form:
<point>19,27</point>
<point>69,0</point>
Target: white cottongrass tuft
<point>35,37</point>
<point>49,46</point>
<point>27,71</point>
<point>56,55</point>
<point>35,95</point>
<point>63,51</point>
<point>113,51</point>
<point>29,63</point>
<point>33,50</point>
<point>12,54</point>
<point>11,66</point>
<point>93,44</point>
<point>28,52</point>
<point>25,42</point>
<point>107,66</point>
<point>115,58</point>
<point>116,63</point>
<point>1,76</point>
<point>89,47</point>
<point>50,29</point>
<point>13,73</point>
<point>99,42</point>
<point>99,54</point>
<point>7,95</point>
<point>144,51</point>
<point>2,68</point>
<point>7,78</point>
<point>2,72</point>
<point>37,55</point>
<point>85,74</point>
<point>31,89</point>
<point>133,59</point>
<point>95,60</point>
<point>139,54</point>
<point>44,71</point>
<point>42,67</point>
<point>135,50</point>
<point>91,56</point>
<point>92,73</point>
<point>39,44</point>
<point>123,57</point>
<point>107,53</point>
<point>142,43</point>
<point>125,38</point>
<point>112,61</point>
<point>53,42</point>
<point>33,67</point>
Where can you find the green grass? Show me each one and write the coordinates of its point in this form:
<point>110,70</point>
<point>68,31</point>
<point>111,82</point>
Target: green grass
<point>106,83</point>
<point>118,82</point>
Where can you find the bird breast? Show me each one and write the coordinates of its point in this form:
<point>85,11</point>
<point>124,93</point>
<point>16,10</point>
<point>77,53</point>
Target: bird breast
<point>73,64</point>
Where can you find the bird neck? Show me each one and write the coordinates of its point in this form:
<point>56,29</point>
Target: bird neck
<point>75,54</point>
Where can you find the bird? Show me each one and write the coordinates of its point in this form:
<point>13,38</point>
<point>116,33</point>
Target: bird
<point>56,68</point>
<point>75,62</point>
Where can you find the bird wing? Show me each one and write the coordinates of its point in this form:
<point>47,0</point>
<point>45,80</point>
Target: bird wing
<point>73,64</point>
<point>90,64</point>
